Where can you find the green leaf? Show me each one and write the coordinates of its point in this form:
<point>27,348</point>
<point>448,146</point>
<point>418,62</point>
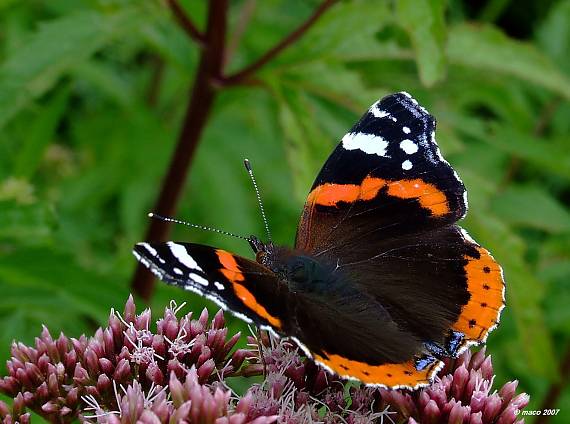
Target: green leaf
<point>345,31</point>
<point>55,48</point>
<point>27,224</point>
<point>545,153</point>
<point>44,269</point>
<point>306,144</point>
<point>425,23</point>
<point>524,294</point>
<point>553,35</point>
<point>531,206</point>
<point>40,134</point>
<point>333,82</point>
<point>552,155</point>
<point>490,50</point>
<point>105,80</point>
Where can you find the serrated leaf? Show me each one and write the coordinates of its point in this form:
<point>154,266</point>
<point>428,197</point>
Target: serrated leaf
<point>52,50</point>
<point>531,206</point>
<point>333,82</point>
<point>489,49</point>
<point>345,31</point>
<point>424,22</point>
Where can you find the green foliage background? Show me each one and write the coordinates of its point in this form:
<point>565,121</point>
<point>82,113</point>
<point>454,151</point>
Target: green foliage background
<point>92,93</point>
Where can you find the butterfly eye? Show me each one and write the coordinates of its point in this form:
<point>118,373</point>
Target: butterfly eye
<point>298,272</point>
<point>262,257</point>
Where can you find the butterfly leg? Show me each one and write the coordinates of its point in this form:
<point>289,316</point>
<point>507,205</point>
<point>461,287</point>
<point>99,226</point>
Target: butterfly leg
<point>454,342</point>
<point>451,346</point>
<point>424,361</point>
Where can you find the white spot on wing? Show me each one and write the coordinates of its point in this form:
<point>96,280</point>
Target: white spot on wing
<point>152,267</point>
<point>406,130</point>
<point>368,143</point>
<point>149,248</point>
<point>218,285</point>
<point>199,279</point>
<point>409,146</point>
<point>378,113</point>
<point>180,253</point>
<point>406,165</point>
<point>177,271</point>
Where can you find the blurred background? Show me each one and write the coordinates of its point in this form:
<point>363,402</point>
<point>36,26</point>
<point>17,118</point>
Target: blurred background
<point>93,95</point>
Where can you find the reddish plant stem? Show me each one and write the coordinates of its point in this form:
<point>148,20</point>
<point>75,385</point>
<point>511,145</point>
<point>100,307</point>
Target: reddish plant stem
<point>209,77</point>
<point>202,98</point>
<point>250,70</point>
<point>186,23</point>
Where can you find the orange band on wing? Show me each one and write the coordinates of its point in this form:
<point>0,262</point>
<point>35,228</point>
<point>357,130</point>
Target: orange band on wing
<point>428,195</point>
<point>230,267</point>
<point>486,286</point>
<point>331,194</point>
<point>390,375</point>
<point>232,272</point>
<point>249,300</point>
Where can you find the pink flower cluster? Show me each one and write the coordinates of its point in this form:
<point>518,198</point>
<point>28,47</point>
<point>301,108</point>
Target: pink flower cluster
<point>462,393</point>
<point>128,372</point>
<point>59,378</point>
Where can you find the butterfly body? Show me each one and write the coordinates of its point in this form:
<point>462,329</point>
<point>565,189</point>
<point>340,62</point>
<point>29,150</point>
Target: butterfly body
<point>381,283</point>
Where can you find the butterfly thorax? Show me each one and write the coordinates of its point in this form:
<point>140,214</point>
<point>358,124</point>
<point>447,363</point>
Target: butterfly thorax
<point>300,271</point>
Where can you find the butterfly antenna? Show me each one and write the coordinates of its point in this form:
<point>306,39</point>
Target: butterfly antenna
<point>201,227</point>
<point>259,202</point>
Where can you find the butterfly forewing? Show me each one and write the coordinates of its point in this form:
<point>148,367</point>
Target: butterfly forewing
<point>246,288</point>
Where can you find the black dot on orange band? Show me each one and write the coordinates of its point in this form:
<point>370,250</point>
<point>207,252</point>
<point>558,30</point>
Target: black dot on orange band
<point>388,375</point>
<point>486,269</point>
<point>408,372</point>
<point>344,367</point>
<point>486,287</point>
<point>484,305</point>
<point>365,373</point>
<point>472,323</point>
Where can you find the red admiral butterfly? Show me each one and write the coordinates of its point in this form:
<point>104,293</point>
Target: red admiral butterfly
<point>381,284</point>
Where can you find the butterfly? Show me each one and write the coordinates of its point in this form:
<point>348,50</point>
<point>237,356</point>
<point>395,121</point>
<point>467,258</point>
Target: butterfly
<point>382,284</point>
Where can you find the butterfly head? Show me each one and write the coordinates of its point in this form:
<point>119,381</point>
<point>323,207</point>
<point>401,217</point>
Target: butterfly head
<point>264,252</point>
